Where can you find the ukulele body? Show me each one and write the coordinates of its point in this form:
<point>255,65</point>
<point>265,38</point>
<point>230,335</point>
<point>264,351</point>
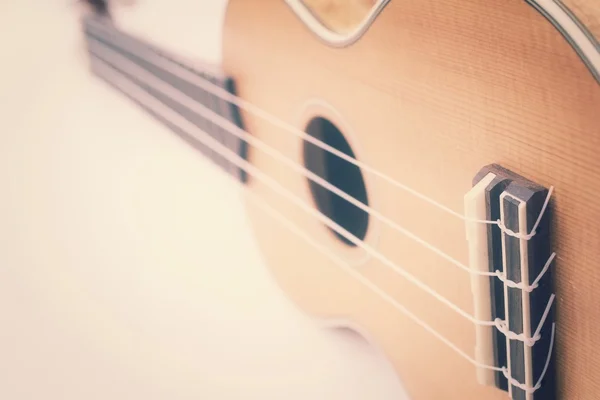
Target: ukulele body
<point>490,106</point>
<point>432,92</point>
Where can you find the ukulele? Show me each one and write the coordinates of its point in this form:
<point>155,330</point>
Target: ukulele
<point>427,170</point>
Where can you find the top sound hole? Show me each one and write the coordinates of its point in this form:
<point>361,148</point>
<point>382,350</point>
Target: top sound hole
<point>341,174</point>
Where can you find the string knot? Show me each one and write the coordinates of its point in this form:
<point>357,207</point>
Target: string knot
<point>520,285</point>
<point>515,285</point>
<point>502,326</point>
<point>531,389</point>
<point>516,383</point>
<point>518,235</point>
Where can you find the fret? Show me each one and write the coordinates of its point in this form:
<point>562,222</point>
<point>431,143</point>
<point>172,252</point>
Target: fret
<point>215,130</point>
<point>232,113</point>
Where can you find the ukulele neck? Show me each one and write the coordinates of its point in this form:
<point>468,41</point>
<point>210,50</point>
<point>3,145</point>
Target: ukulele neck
<point>195,91</point>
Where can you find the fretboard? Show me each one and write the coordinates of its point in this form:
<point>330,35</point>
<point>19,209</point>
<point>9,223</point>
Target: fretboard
<point>194,92</point>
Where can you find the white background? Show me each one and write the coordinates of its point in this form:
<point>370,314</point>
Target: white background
<point>127,270</point>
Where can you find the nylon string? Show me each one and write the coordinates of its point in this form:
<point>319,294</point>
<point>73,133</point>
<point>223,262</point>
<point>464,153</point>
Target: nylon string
<point>151,81</point>
<point>131,89</point>
<point>227,125</point>
<point>131,46</point>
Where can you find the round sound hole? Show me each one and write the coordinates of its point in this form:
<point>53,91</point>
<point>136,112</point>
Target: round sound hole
<point>340,173</point>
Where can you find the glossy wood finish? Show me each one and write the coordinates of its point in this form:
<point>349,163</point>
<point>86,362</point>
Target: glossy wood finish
<point>434,90</point>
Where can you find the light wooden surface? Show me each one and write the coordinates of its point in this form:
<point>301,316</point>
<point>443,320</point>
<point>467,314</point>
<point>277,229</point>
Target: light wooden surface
<point>433,91</point>
<point>588,11</point>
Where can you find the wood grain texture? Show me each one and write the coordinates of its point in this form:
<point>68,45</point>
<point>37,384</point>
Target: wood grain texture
<point>434,90</point>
